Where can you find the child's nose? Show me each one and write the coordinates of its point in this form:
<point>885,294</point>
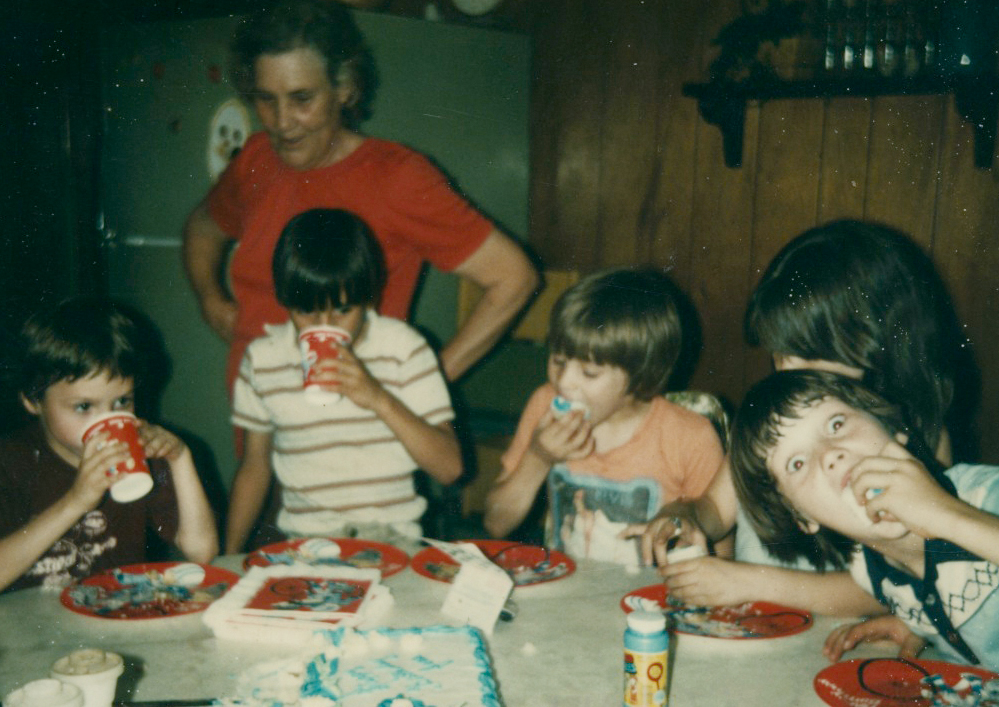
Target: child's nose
<point>834,458</point>
<point>565,381</point>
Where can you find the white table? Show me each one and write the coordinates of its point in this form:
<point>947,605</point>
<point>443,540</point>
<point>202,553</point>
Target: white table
<point>575,624</point>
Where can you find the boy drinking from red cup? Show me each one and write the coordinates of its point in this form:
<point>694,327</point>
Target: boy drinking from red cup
<point>132,478</point>
<point>82,360</point>
<point>345,463</point>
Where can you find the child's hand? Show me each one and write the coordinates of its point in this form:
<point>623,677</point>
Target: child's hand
<point>661,534</point>
<point>711,581</point>
<point>880,628</point>
<point>566,437</point>
<point>348,376</point>
<point>160,443</point>
<point>93,478</point>
<point>894,486</point>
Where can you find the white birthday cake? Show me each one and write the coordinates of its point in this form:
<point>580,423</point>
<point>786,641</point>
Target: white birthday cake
<point>437,666</point>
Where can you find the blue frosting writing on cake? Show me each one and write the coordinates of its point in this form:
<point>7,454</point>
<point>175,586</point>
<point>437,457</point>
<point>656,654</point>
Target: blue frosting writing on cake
<point>412,702</point>
<point>382,673</point>
<point>317,678</point>
<point>490,696</point>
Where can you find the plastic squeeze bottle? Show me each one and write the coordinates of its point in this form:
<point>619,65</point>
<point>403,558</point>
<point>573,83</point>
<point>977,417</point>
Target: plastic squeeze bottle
<point>646,660</point>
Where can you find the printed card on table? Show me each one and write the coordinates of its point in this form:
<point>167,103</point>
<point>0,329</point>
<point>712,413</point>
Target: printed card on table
<point>479,590</point>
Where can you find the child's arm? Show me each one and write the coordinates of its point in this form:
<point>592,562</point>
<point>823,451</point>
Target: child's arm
<point>713,581</point>
<point>249,489</point>
<point>512,495</point>
<point>197,537</point>
<point>911,496</point>
<point>434,448</point>
<point>20,549</point>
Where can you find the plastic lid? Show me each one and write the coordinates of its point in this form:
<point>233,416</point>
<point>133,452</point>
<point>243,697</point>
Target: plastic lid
<point>647,621</point>
<point>87,661</point>
<point>45,693</point>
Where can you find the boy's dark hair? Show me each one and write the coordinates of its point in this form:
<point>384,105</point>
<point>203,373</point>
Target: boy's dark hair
<point>755,431</point>
<point>80,337</point>
<point>624,318</point>
<point>328,28</point>
<point>867,296</point>
<point>327,258</point>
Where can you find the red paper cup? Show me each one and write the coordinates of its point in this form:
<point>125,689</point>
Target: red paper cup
<point>318,344</point>
<point>134,480</point>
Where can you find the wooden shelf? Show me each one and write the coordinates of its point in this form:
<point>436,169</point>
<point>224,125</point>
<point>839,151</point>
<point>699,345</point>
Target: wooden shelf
<point>723,103</point>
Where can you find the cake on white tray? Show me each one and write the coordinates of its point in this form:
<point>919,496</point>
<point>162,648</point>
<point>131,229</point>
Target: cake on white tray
<point>288,603</point>
<point>437,666</point>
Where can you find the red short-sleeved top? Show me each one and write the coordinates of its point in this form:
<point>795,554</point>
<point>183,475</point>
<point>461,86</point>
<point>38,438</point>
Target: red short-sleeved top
<point>404,199</point>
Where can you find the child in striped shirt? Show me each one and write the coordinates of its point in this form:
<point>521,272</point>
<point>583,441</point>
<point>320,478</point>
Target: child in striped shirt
<point>344,462</point>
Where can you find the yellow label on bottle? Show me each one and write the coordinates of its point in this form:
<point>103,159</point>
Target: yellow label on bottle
<point>645,678</point>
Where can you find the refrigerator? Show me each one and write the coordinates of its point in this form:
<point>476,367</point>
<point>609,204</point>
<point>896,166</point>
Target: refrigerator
<point>171,118</point>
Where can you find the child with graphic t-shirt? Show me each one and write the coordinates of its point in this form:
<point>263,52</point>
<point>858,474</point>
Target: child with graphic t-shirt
<point>80,360</point>
<point>611,448</point>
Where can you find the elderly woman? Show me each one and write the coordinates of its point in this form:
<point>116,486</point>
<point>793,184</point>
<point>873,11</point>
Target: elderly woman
<point>306,70</point>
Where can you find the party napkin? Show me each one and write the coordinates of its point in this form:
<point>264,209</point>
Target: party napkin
<point>284,603</point>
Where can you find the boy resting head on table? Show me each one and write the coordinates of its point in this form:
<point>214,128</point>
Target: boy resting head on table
<point>827,470</point>
<point>80,360</point>
<point>612,449</point>
<point>344,461</point>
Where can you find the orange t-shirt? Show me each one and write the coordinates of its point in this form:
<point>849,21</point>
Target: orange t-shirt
<point>673,455</point>
<point>676,447</point>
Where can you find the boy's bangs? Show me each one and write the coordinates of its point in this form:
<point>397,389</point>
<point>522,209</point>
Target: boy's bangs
<point>84,337</point>
<point>602,345</point>
<point>311,292</point>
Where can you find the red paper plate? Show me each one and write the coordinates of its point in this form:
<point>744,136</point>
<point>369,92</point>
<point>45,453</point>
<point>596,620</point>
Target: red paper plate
<point>331,552</point>
<point>887,682</point>
<point>151,590</point>
<point>752,620</point>
<point>527,564</point>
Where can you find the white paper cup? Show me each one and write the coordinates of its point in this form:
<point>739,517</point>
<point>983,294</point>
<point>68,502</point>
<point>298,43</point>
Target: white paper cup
<point>134,480</point>
<point>185,574</point>
<point>45,693</point>
<point>93,671</point>
<point>319,344</point>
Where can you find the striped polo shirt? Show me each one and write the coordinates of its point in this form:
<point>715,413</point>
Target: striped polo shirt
<point>338,463</point>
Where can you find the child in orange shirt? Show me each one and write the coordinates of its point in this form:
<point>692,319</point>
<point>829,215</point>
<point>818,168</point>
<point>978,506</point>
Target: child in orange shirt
<point>611,448</point>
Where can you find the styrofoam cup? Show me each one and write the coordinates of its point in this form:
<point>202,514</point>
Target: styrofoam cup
<point>92,670</point>
<point>134,480</point>
<point>48,692</point>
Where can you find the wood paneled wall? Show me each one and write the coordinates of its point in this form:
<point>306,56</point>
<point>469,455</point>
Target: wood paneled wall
<point>625,171</point>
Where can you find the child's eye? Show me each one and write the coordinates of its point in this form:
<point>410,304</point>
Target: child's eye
<point>836,423</point>
<point>795,464</point>
<point>82,407</point>
<point>345,309</point>
<point>124,402</point>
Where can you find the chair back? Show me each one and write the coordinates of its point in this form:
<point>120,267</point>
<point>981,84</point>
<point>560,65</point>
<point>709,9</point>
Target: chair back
<point>705,404</point>
<point>533,324</point>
